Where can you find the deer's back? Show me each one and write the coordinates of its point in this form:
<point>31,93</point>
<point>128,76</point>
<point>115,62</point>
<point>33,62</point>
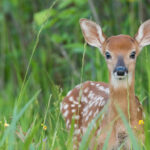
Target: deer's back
<point>83,103</point>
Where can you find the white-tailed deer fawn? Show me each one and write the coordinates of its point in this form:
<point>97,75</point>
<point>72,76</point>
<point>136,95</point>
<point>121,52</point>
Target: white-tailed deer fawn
<point>120,53</point>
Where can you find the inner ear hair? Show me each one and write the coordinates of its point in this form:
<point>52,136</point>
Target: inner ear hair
<point>143,34</point>
<point>92,33</point>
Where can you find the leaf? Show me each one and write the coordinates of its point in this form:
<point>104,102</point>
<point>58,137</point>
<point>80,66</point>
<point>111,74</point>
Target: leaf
<point>41,17</point>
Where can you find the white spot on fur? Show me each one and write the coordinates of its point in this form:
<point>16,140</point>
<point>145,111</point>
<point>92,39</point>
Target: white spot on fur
<point>77,117</point>
<point>72,105</point>
<point>79,105</point>
<point>73,110</point>
<point>97,111</point>
<point>101,88</point>
<point>91,104</point>
<point>67,123</point>
<point>87,118</point>
<point>96,102</point>
<point>65,106</point>
<point>86,90</point>
<point>97,85</point>
<point>91,95</point>
<point>75,125</point>
<point>84,99</point>
<point>103,103</point>
<point>75,102</point>
<point>65,113</point>
<point>92,83</point>
<point>107,90</point>
<point>85,111</point>
<point>90,113</point>
<point>71,99</point>
<point>77,132</point>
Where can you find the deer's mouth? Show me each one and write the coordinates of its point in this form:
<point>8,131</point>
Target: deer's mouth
<point>120,77</point>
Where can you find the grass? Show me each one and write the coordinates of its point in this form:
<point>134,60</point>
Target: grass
<point>31,95</point>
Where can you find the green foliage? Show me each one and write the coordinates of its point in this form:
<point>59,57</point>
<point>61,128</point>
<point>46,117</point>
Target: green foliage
<point>41,48</point>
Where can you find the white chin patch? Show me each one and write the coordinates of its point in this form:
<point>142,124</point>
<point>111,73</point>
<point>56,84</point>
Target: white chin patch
<point>121,81</point>
<point>120,77</point>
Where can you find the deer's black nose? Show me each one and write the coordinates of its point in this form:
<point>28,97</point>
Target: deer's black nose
<point>121,70</point>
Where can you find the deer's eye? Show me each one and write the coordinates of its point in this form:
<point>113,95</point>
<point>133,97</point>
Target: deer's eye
<point>108,56</point>
<point>132,55</point>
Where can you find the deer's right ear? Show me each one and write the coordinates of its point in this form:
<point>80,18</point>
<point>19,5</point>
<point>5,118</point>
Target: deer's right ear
<point>143,35</point>
<point>92,33</point>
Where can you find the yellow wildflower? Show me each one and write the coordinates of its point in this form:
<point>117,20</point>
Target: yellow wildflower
<point>6,125</point>
<point>44,127</point>
<point>42,124</point>
<point>141,122</point>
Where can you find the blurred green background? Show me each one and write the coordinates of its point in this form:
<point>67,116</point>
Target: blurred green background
<point>56,64</point>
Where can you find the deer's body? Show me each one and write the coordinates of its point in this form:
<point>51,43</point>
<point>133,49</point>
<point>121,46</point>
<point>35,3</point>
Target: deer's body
<point>95,95</point>
<point>87,100</point>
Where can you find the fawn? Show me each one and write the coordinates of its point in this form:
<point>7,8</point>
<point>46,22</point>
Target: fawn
<point>120,52</point>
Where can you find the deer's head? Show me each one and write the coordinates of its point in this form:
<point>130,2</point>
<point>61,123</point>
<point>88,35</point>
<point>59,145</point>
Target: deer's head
<point>119,51</point>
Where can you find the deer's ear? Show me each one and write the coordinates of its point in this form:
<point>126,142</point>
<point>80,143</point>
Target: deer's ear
<point>92,33</point>
<point>143,35</point>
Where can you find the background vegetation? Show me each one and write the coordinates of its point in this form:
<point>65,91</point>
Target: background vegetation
<point>41,48</point>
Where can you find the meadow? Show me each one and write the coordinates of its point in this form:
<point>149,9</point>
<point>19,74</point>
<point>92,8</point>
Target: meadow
<point>41,59</point>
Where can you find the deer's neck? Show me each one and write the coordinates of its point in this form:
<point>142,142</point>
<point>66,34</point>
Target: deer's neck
<point>122,95</point>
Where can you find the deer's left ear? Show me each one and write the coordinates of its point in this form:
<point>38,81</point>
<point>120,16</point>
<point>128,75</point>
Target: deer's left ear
<point>143,35</point>
<point>92,33</point>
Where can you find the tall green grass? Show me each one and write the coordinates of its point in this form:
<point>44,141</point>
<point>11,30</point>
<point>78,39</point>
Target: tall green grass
<point>41,53</point>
